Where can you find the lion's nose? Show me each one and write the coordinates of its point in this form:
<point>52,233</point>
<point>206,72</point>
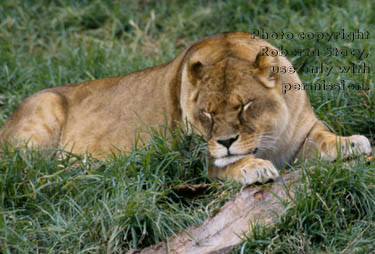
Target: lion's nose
<point>227,142</point>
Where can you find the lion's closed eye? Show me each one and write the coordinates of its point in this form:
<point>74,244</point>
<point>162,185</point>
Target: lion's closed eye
<point>247,105</point>
<point>206,114</point>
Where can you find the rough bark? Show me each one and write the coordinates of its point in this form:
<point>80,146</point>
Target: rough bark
<point>222,232</point>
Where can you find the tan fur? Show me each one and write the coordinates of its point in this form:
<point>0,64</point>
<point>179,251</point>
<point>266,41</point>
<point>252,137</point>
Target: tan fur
<point>222,85</point>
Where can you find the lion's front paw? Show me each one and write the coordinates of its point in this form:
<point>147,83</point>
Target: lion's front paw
<point>258,170</point>
<point>356,144</point>
<point>347,147</point>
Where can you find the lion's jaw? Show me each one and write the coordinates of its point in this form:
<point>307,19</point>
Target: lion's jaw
<point>225,161</point>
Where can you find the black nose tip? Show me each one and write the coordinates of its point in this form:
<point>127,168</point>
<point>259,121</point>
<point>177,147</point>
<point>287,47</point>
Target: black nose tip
<point>227,142</point>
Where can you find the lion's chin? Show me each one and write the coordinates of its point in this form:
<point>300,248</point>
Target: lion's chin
<point>225,161</point>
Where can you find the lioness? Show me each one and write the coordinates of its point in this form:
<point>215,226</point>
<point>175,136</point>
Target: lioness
<point>223,85</point>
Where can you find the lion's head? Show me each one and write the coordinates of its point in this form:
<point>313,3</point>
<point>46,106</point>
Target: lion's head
<point>234,101</point>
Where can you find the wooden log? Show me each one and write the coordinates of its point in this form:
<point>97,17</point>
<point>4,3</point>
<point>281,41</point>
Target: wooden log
<point>259,204</point>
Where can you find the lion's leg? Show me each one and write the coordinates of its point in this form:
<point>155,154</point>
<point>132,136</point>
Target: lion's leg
<point>248,170</point>
<point>329,146</point>
<point>38,121</point>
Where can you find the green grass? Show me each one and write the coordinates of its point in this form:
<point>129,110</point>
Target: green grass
<point>57,206</point>
<point>333,212</point>
<point>77,204</point>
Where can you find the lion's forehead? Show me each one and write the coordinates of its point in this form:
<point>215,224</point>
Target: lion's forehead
<point>226,74</point>
<point>227,85</point>
<point>221,101</point>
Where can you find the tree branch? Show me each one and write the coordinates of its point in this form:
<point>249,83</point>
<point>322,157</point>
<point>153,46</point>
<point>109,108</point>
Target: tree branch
<point>223,231</point>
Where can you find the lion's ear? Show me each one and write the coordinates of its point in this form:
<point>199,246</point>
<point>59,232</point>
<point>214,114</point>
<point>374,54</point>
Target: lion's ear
<point>195,70</point>
<point>265,69</point>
